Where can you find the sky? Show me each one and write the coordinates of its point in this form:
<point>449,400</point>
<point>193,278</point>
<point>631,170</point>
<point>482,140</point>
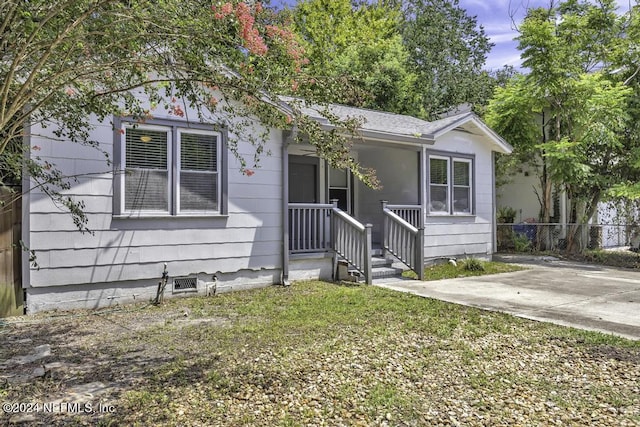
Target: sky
<point>494,16</point>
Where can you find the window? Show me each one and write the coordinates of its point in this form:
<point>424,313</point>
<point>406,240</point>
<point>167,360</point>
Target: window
<point>169,170</point>
<point>339,188</point>
<point>450,185</point>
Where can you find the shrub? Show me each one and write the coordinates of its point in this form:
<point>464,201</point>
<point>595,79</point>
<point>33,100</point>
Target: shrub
<point>473,264</point>
<point>521,242</point>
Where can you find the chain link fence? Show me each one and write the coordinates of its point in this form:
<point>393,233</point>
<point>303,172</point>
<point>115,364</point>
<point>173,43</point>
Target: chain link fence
<point>526,237</point>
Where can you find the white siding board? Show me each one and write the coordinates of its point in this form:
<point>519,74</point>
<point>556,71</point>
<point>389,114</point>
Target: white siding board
<point>456,229</point>
<point>257,191</point>
<point>92,204</point>
<point>256,206</point>
<point>446,251</point>
<point>61,221</point>
<point>457,239</point>
<point>139,271</point>
<point>157,253</point>
<point>260,177</point>
<point>135,239</point>
<point>265,163</point>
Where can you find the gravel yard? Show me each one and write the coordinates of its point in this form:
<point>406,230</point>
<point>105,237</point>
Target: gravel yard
<point>311,354</point>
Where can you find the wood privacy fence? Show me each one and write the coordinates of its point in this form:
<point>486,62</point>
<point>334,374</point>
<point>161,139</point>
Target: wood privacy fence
<point>11,295</point>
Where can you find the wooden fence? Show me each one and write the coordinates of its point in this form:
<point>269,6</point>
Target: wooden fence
<point>11,294</point>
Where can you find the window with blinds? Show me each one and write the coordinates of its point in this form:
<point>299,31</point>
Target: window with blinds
<point>450,185</point>
<point>198,172</point>
<point>169,170</point>
<point>439,184</point>
<point>461,186</point>
<point>146,170</point>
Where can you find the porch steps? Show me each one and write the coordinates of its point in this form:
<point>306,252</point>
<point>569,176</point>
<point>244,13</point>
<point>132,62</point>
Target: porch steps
<point>381,268</point>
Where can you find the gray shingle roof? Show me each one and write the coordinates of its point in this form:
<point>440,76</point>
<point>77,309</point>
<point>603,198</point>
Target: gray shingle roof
<point>397,126</point>
<point>383,122</point>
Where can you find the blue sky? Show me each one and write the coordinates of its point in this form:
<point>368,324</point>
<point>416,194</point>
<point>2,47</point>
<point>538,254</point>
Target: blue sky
<point>494,16</point>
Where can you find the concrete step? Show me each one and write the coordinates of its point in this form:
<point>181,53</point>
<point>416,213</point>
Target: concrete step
<point>381,268</point>
<point>380,262</point>
<point>382,272</point>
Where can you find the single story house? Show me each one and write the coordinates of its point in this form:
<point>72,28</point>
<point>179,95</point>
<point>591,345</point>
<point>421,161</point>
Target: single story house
<point>174,196</point>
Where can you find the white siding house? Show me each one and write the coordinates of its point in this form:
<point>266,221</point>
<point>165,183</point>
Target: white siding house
<point>174,195</point>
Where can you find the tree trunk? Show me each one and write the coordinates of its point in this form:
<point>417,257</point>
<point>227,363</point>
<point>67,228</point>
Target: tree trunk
<point>578,234</point>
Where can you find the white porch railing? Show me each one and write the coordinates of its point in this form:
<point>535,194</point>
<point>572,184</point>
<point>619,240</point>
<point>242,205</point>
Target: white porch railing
<point>309,227</point>
<point>402,238</point>
<point>352,241</point>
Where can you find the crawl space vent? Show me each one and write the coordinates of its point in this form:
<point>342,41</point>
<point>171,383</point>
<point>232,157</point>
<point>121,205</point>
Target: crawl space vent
<point>185,284</point>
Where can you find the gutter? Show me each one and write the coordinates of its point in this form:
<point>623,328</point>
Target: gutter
<point>393,138</point>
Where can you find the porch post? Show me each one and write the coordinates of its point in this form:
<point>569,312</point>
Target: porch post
<point>367,255</point>
<point>332,243</point>
<point>385,224</point>
<point>285,210</point>
<point>420,253</point>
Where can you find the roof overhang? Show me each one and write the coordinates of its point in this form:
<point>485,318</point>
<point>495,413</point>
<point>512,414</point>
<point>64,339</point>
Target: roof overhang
<point>470,120</point>
<point>387,137</point>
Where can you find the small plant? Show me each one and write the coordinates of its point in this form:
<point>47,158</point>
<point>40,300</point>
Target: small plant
<point>473,264</point>
<point>506,215</point>
<point>521,242</point>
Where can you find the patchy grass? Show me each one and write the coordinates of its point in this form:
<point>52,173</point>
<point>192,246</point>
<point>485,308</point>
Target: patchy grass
<point>625,259</point>
<point>464,268</point>
<point>323,354</point>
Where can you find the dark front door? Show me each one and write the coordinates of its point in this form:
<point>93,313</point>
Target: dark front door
<point>303,179</point>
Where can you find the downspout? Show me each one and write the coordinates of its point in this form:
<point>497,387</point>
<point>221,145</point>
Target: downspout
<point>286,138</point>
<point>494,219</point>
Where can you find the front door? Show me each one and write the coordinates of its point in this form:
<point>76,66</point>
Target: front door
<point>303,179</point>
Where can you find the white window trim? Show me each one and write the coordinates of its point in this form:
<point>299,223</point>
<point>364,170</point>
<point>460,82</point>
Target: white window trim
<point>123,163</point>
<point>172,127</point>
<point>469,163</point>
<point>179,210</point>
<point>450,184</point>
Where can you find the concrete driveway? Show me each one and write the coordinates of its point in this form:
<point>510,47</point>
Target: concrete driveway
<point>570,294</point>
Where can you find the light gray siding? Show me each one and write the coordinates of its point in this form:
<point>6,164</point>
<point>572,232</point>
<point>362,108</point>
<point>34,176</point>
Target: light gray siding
<point>128,253</point>
<point>458,235</point>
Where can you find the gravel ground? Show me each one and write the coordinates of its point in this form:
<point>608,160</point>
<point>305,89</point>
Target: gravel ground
<point>314,354</point>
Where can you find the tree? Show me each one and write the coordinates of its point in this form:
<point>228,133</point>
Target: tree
<point>422,57</point>
<point>579,102</point>
<point>447,51</point>
<point>358,48</point>
<point>66,60</point>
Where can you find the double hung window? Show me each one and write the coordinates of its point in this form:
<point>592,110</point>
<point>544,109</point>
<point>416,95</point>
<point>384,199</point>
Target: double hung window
<point>450,185</point>
<point>169,170</point>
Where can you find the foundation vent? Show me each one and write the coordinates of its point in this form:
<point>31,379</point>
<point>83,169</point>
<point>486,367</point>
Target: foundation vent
<point>185,284</point>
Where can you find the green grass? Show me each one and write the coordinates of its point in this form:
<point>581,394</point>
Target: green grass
<point>464,268</point>
<point>317,353</point>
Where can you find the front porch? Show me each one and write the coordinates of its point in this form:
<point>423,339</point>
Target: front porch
<point>327,229</point>
<point>332,215</point>
<point>438,179</point>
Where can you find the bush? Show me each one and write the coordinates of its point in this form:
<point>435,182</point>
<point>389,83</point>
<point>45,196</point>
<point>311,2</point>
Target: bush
<point>521,242</point>
<point>473,264</point>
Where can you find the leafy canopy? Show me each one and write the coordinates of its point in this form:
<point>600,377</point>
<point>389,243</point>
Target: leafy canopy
<point>66,61</point>
<point>573,116</point>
